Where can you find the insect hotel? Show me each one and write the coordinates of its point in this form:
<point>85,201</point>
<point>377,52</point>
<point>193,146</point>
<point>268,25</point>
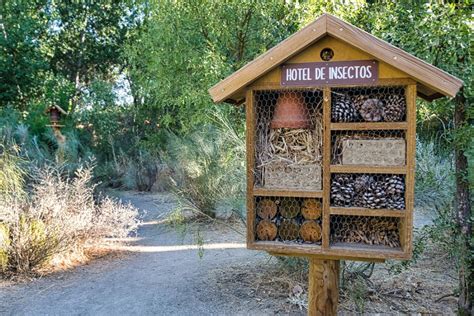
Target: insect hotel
<point>330,116</point>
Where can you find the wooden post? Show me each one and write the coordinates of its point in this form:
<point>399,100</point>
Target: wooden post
<point>323,291</point>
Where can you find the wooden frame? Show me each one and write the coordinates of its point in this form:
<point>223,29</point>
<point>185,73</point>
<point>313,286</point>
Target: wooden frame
<point>396,68</point>
<point>338,250</point>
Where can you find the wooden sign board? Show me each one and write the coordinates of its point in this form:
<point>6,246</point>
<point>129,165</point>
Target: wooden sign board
<point>323,73</point>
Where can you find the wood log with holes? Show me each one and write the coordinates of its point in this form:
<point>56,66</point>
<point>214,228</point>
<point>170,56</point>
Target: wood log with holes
<point>266,230</point>
<point>289,208</point>
<point>289,229</point>
<point>266,209</point>
<point>311,209</point>
<point>310,231</point>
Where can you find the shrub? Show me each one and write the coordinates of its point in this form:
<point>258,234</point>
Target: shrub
<point>59,214</point>
<point>207,168</point>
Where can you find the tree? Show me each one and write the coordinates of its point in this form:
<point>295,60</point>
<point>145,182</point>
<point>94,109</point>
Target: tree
<point>23,62</point>
<point>190,45</point>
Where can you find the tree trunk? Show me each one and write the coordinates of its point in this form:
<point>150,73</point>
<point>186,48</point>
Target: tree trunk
<point>463,213</point>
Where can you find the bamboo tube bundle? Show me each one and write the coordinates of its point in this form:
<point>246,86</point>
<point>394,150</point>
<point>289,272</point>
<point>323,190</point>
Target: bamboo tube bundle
<point>289,229</point>
<point>266,230</point>
<point>310,231</point>
<point>289,208</point>
<point>266,209</point>
<point>311,208</point>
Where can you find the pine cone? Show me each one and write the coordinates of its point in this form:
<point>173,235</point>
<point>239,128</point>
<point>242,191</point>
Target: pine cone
<point>395,107</point>
<point>359,200</point>
<point>396,202</point>
<point>342,190</point>
<point>372,110</point>
<point>343,110</point>
<point>358,101</point>
<point>375,196</point>
<point>362,182</point>
<point>394,185</point>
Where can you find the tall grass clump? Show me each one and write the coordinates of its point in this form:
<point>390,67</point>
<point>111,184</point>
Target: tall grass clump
<point>207,168</point>
<point>57,214</point>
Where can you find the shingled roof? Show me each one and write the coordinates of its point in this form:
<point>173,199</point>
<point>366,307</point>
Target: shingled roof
<point>432,82</point>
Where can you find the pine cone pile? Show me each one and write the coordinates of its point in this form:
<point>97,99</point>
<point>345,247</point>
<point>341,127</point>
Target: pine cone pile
<point>368,191</point>
<point>343,110</point>
<point>370,108</point>
<point>394,109</point>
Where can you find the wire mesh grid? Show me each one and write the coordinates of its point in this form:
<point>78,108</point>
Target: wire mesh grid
<point>374,191</point>
<point>365,230</point>
<point>372,148</point>
<point>288,139</point>
<point>288,219</point>
<point>368,104</point>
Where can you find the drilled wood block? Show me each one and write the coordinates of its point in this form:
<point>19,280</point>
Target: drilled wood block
<point>375,152</point>
<point>297,177</point>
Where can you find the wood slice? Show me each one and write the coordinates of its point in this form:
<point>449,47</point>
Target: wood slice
<point>310,231</point>
<point>266,230</point>
<point>289,208</point>
<point>288,230</point>
<point>266,209</point>
<point>311,209</point>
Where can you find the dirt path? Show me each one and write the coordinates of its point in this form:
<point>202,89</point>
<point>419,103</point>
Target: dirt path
<point>160,275</point>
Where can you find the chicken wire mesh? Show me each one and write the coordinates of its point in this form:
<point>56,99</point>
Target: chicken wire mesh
<point>288,139</point>
<point>374,191</point>
<point>384,231</point>
<point>368,104</point>
<point>372,148</point>
<point>288,219</point>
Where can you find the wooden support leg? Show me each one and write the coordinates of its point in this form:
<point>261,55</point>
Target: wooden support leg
<point>323,292</point>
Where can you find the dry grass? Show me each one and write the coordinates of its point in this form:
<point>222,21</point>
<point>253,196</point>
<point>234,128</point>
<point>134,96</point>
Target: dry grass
<point>59,217</point>
<point>426,287</point>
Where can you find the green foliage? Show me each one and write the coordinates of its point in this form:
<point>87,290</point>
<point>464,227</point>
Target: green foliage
<point>208,167</point>
<point>12,174</point>
<point>22,58</point>
<point>188,46</point>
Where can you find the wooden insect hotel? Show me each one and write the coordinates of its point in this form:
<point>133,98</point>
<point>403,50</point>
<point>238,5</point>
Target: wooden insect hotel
<point>330,116</point>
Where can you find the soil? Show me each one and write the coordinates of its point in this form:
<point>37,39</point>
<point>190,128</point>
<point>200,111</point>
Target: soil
<point>204,269</point>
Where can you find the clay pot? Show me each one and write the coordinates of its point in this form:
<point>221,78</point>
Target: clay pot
<point>290,112</point>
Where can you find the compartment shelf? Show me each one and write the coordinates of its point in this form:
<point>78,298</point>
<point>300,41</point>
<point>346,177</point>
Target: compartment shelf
<point>290,193</point>
<point>363,126</point>
<point>360,211</point>
<point>368,169</point>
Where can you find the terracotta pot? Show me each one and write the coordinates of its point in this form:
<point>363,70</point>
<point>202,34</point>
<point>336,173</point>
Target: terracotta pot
<point>290,112</point>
